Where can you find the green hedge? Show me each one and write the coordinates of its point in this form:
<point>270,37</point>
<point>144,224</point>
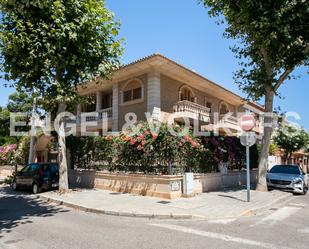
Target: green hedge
<point>147,148</point>
<point>150,148</point>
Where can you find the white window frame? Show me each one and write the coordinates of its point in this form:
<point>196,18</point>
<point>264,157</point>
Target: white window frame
<point>135,101</point>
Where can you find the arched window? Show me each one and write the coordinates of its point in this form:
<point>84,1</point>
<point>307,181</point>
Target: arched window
<point>208,104</point>
<point>132,91</point>
<point>186,93</point>
<point>223,109</point>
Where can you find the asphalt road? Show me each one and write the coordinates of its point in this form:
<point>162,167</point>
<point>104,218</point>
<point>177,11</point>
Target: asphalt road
<point>26,222</point>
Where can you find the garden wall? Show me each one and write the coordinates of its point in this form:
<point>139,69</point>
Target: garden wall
<point>6,171</point>
<point>169,187</point>
<point>217,181</point>
<point>162,186</point>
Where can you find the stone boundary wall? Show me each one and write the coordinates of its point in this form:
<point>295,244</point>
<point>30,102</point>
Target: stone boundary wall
<point>217,181</point>
<point>6,171</point>
<point>162,186</point>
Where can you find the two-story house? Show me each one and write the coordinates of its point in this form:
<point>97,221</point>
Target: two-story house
<point>160,86</point>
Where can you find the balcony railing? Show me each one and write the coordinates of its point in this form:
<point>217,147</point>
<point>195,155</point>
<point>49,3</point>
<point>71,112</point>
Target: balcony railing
<point>101,115</point>
<point>202,112</point>
<point>226,119</point>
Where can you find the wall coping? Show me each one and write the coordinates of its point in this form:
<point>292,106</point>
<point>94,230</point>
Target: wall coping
<point>131,175</point>
<point>229,173</point>
<point>7,167</point>
<point>155,177</point>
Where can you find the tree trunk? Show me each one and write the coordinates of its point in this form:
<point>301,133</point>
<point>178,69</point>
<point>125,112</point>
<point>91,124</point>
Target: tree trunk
<point>289,158</point>
<point>268,130</point>
<point>63,166</point>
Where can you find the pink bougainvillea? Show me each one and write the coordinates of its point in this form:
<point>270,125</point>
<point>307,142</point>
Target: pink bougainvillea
<point>7,154</point>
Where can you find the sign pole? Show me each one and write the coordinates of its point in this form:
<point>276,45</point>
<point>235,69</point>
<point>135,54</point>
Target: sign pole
<point>248,139</point>
<point>248,169</point>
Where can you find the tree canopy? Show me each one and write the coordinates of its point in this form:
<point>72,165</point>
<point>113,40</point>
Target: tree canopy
<point>272,40</point>
<point>55,45</point>
<point>291,139</point>
<point>18,102</point>
<point>51,47</point>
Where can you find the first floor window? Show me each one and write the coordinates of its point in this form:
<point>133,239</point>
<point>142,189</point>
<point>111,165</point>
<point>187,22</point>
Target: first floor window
<point>137,93</point>
<point>127,96</point>
<point>132,94</point>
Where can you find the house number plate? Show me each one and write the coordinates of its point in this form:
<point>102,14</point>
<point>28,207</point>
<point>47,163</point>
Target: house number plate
<point>175,186</point>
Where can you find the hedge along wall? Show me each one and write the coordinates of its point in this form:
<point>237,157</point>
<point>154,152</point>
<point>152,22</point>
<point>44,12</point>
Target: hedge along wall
<point>149,148</point>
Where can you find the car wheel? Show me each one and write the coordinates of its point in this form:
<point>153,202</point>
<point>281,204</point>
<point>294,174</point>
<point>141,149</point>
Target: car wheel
<point>305,189</point>
<point>35,188</point>
<point>14,185</point>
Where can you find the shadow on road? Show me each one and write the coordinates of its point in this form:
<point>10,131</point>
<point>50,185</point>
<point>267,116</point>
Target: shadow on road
<point>17,208</point>
<point>232,197</point>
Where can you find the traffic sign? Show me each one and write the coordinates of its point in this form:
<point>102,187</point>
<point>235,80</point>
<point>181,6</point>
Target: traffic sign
<point>248,139</point>
<point>247,122</point>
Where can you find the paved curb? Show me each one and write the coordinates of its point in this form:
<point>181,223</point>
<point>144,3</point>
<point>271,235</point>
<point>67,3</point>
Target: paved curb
<point>122,214</point>
<point>246,213</point>
<point>263,208</point>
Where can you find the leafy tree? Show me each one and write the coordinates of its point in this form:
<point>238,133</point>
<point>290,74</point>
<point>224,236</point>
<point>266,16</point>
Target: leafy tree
<point>54,46</point>
<point>5,127</point>
<point>273,149</point>
<point>17,102</point>
<point>291,139</point>
<point>20,102</point>
<point>273,39</point>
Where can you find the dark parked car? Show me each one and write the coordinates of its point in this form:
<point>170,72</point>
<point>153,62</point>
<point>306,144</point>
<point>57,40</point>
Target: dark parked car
<point>289,178</point>
<point>37,176</point>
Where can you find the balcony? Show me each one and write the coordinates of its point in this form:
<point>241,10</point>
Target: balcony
<point>229,121</point>
<point>192,110</point>
<point>100,115</point>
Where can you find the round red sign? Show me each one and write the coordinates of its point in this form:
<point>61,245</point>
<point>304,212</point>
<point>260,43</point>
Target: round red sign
<point>247,122</point>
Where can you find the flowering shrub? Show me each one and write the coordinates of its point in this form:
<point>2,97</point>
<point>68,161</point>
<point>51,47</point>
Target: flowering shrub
<point>148,148</point>
<point>91,152</point>
<point>7,154</point>
<point>229,150</point>
<point>22,153</point>
<point>152,148</point>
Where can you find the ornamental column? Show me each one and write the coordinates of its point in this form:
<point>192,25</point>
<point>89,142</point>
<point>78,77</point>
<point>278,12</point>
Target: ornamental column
<point>115,104</point>
<point>153,91</point>
<point>98,101</point>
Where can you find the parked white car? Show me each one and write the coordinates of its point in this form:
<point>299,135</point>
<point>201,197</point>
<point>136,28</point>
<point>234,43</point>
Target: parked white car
<point>287,177</point>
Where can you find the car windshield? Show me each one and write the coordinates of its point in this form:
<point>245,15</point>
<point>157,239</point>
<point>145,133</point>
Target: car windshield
<point>50,168</point>
<point>285,169</point>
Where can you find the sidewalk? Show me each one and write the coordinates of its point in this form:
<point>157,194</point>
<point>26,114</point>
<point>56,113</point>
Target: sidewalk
<point>215,205</point>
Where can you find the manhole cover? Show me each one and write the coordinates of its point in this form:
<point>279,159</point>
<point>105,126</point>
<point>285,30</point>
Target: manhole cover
<point>164,202</point>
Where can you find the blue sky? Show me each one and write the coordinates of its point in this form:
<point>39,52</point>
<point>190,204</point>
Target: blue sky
<point>182,31</point>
